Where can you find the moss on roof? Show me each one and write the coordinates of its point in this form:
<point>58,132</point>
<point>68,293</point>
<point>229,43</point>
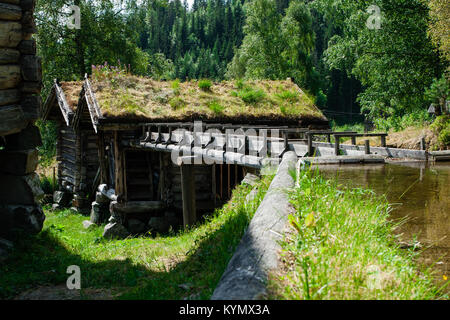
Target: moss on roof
<point>72,91</point>
<point>128,97</point>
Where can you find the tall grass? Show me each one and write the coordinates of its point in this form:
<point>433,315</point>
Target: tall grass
<point>342,246</point>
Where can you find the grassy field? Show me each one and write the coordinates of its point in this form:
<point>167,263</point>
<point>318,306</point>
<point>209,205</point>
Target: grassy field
<point>341,245</point>
<point>188,264</point>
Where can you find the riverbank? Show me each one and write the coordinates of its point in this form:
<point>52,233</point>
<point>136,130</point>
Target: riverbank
<point>184,265</point>
<point>341,245</point>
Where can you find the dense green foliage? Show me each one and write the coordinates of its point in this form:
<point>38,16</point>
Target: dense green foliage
<point>331,48</point>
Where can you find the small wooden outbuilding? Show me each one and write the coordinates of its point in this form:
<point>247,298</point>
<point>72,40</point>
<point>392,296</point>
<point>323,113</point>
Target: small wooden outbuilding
<point>102,122</point>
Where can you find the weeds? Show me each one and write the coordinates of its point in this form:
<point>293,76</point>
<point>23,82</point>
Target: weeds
<point>205,84</point>
<point>342,247</point>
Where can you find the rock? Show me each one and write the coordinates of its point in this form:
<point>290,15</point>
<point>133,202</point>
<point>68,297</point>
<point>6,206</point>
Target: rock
<point>20,217</point>
<point>6,244</point>
<point>136,226</point>
<point>186,286</point>
<point>115,231</point>
<point>25,190</point>
<point>252,195</point>
<point>158,224</point>
<point>88,225</point>
<point>62,198</point>
<point>101,198</point>
<point>250,179</point>
<point>56,207</point>
<point>117,216</point>
<point>99,212</point>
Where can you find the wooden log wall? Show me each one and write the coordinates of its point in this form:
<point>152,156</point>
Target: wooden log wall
<point>20,102</point>
<point>20,68</point>
<point>66,155</point>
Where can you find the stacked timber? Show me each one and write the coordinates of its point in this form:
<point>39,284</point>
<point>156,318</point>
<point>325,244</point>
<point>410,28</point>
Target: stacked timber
<point>20,85</point>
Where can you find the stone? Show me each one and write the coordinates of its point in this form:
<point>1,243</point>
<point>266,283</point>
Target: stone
<point>6,244</point>
<point>56,207</point>
<point>115,231</point>
<point>158,224</point>
<point>250,179</point>
<point>251,196</point>
<point>101,198</point>
<point>21,217</point>
<point>62,198</point>
<point>88,224</point>
<point>136,226</point>
<point>24,190</point>
<point>99,213</point>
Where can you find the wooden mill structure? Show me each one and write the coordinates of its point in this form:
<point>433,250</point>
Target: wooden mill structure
<point>131,157</point>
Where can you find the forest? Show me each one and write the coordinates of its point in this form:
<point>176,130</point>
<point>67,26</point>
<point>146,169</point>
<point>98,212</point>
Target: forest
<point>383,61</point>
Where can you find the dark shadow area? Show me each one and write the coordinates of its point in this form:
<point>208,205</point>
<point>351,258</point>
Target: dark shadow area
<point>43,260</point>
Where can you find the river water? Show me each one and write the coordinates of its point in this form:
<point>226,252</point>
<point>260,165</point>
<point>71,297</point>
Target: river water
<point>415,190</point>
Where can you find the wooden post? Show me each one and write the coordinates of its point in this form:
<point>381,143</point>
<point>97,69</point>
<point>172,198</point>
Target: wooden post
<point>353,140</point>
<point>329,138</point>
<point>101,158</point>
<point>214,184</point>
<point>310,145</point>
<point>229,178</point>
<point>423,145</point>
<point>383,141</point>
<point>118,166</point>
<point>367,146</point>
<point>336,145</point>
<point>188,194</point>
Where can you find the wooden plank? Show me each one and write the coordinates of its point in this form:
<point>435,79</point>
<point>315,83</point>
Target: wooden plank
<point>10,34</point>
<point>188,194</point>
<point>9,96</point>
<point>137,207</point>
<point>9,56</point>
<point>9,76</point>
<point>118,165</point>
<point>12,120</point>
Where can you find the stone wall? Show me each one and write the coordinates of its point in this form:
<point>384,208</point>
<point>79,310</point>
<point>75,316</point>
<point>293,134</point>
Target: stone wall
<point>20,101</point>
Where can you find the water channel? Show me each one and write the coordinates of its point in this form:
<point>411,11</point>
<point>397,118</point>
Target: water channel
<point>416,190</point>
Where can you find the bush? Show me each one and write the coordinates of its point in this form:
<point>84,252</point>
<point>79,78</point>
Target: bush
<point>240,84</point>
<point>441,127</point>
<point>205,84</point>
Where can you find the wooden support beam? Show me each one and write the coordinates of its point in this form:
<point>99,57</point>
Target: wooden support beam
<point>383,141</point>
<point>336,145</point>
<point>353,140</point>
<point>188,194</point>
<point>118,166</point>
<point>367,146</point>
<point>310,145</point>
<point>102,158</point>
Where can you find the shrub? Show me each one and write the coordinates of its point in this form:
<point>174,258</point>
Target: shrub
<point>441,127</point>
<point>176,86</point>
<point>240,84</point>
<point>205,84</point>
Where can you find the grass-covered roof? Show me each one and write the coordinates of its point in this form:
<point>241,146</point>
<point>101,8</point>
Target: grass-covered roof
<point>124,97</point>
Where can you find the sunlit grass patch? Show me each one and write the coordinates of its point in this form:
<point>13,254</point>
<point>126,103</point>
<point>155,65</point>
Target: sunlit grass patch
<point>341,245</point>
<point>141,267</point>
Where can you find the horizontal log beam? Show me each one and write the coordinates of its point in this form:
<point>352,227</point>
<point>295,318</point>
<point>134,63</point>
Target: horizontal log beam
<point>8,55</point>
<point>10,12</point>
<point>12,120</point>
<point>9,96</point>
<point>137,206</point>
<point>10,34</point>
<point>9,76</point>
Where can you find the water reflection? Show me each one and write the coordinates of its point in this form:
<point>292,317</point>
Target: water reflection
<point>415,190</point>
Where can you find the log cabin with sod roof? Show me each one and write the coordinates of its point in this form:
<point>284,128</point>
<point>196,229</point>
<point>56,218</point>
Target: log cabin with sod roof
<point>117,137</point>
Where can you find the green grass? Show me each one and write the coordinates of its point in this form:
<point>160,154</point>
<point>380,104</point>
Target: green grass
<point>342,246</point>
<point>205,84</point>
<point>216,107</point>
<point>250,95</point>
<point>137,268</point>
